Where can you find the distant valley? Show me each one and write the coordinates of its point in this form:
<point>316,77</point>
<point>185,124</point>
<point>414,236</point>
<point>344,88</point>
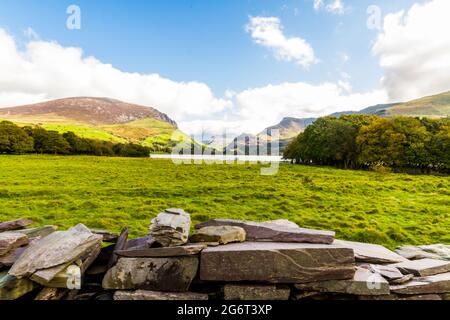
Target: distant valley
<point>116,121</point>
<point>437,106</point>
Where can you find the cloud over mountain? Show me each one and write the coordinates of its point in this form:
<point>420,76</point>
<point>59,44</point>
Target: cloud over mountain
<point>414,51</point>
<point>46,70</point>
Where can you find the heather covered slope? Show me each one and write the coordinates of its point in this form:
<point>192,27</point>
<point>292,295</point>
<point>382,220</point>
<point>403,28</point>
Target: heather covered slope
<point>102,119</point>
<point>94,111</point>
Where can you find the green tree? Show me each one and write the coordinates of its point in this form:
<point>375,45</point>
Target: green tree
<point>397,142</point>
<point>48,142</point>
<point>438,150</point>
<point>14,140</point>
<point>329,141</point>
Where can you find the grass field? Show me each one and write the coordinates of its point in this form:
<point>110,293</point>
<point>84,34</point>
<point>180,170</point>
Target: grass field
<point>85,132</point>
<point>108,193</point>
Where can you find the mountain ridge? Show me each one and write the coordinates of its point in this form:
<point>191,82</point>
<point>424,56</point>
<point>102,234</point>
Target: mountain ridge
<point>100,118</point>
<point>89,110</point>
<point>290,127</point>
<point>439,105</point>
<point>113,120</point>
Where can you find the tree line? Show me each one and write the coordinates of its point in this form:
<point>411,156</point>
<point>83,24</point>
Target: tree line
<point>403,144</point>
<point>35,139</point>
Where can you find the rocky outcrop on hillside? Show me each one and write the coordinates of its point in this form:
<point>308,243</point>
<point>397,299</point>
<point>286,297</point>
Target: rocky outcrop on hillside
<point>90,110</point>
<point>224,260</point>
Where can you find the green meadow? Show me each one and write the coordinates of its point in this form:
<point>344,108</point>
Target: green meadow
<point>110,193</point>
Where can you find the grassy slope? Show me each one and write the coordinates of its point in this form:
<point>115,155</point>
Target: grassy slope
<point>85,132</point>
<point>109,193</point>
<point>433,106</point>
<point>143,130</point>
<point>146,131</point>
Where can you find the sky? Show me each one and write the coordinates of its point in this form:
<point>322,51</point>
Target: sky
<point>234,65</point>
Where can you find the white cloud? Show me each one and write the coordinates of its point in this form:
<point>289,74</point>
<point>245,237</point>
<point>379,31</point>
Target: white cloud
<point>414,51</point>
<point>336,6</point>
<point>257,108</point>
<point>318,4</point>
<point>46,70</point>
<point>333,6</point>
<point>219,127</point>
<point>269,104</point>
<point>268,32</point>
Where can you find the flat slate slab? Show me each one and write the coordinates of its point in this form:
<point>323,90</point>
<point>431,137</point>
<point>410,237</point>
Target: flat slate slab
<point>364,283</point>
<point>436,284</point>
<point>159,274</point>
<point>10,258</point>
<point>392,297</point>
<point>272,262</point>
<point>15,224</point>
<point>220,234</point>
<point>56,251</point>
<point>187,250</point>
<point>275,231</point>
<point>10,241</point>
<point>143,295</point>
<point>38,232</point>
<point>424,267</point>
<point>255,292</point>
<point>403,280</point>
<point>390,273</point>
<point>371,253</point>
<point>108,236</point>
<point>435,251</point>
<point>140,243</point>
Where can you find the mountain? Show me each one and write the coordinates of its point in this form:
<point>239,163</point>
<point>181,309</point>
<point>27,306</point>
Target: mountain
<point>100,118</point>
<point>93,111</point>
<point>379,110</point>
<point>289,127</point>
<point>437,106</point>
<point>240,143</point>
<point>217,142</point>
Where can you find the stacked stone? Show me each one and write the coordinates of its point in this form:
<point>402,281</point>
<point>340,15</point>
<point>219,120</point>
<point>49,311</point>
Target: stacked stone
<point>275,260</point>
<point>42,260</point>
<point>171,227</point>
<point>232,260</point>
<point>273,255</point>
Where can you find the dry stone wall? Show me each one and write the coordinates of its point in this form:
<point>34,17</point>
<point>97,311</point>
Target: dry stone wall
<point>222,260</point>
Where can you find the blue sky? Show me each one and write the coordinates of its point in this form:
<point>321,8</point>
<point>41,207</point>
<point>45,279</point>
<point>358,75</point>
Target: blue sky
<point>207,42</point>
